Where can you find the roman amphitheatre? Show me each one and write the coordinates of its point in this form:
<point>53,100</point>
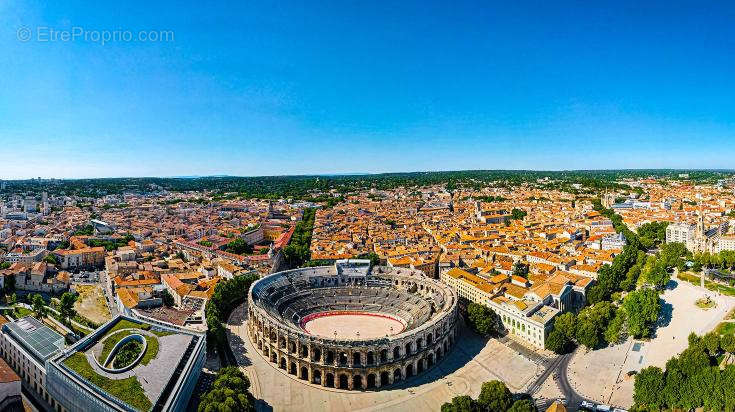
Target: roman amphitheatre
<point>350,326</point>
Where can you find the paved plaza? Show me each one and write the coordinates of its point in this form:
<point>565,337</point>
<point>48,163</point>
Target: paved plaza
<point>470,363</point>
<point>602,374</point>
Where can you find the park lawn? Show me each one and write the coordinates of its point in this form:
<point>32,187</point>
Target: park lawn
<point>716,287</point>
<point>127,390</point>
<point>726,328</point>
<point>111,340</point>
<point>126,324</point>
<point>160,333</point>
<point>151,351</point>
<point>23,312</point>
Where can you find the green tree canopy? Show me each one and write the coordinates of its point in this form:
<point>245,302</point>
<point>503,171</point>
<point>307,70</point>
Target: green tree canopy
<point>495,397</point>
<point>229,393</point>
<point>642,308</point>
<point>483,320</point>
<point>66,306</point>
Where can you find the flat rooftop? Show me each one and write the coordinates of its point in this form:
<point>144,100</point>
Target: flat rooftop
<point>152,379</point>
<point>40,340</point>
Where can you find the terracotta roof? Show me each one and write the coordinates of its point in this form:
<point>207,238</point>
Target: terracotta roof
<point>6,373</point>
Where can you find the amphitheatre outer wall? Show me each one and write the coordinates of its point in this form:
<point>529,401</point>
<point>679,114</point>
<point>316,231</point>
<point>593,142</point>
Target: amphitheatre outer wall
<point>280,302</point>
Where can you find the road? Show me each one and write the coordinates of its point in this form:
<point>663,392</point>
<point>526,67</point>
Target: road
<point>558,369</point>
<point>106,283</point>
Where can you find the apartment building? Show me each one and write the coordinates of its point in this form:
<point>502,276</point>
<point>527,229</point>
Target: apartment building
<point>525,313</point>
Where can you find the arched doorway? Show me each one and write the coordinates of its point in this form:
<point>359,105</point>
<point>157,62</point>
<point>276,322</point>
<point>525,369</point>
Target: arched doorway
<point>356,359</point>
<point>292,370</point>
<point>384,355</point>
<point>370,358</point>
<point>408,349</point>
<point>343,381</point>
<point>343,359</point>
<point>283,363</point>
<point>396,352</point>
<point>420,366</point>
<point>371,381</point>
<point>330,358</point>
<point>396,375</point>
<point>330,380</point>
<point>429,361</point>
<point>384,378</point>
<point>409,370</point>
<point>304,373</point>
<point>316,377</point>
<point>317,355</point>
<point>357,382</point>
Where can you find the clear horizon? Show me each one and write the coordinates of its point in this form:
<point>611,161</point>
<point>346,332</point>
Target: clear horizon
<point>378,173</point>
<point>289,88</point>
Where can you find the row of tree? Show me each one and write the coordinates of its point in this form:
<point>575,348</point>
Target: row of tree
<point>227,295</point>
<point>298,252</point>
<point>723,260</point>
<point>605,321</point>
<point>494,397</point>
<point>652,234</point>
<point>691,380</point>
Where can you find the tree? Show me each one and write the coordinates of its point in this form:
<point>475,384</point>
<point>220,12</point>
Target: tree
<point>51,258</point>
<point>495,397</point>
<point>463,403</point>
<point>229,392</point>
<point>483,320</point>
<point>39,306</point>
<point>518,214</point>
<point>727,342</point>
<point>557,342</point>
<point>523,405</point>
<point>239,247</point>
<point>642,308</point>
<point>66,306</point>
<point>168,300</point>
<point>648,388</point>
<point>616,328</point>
<point>711,342</point>
<point>592,322</point>
<point>374,258</point>
<point>520,269</point>
<point>561,338</point>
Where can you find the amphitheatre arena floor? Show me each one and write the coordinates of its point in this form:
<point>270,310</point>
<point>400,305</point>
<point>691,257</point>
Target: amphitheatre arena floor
<point>470,363</point>
<point>352,325</point>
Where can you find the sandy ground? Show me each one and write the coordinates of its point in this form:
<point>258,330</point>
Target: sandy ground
<point>353,326</point>
<point>470,363</point>
<point>91,303</point>
<point>602,374</point>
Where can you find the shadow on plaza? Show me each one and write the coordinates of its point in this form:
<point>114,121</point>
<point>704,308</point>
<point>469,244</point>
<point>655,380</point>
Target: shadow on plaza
<point>238,346</point>
<point>468,345</point>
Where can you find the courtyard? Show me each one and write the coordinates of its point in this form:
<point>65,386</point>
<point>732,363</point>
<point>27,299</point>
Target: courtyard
<point>467,366</point>
<point>602,374</point>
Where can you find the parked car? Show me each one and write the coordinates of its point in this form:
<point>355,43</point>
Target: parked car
<point>588,406</point>
<point>619,410</point>
<point>604,408</point>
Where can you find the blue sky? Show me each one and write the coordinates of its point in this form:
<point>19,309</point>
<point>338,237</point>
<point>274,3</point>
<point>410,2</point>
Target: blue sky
<point>271,88</point>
